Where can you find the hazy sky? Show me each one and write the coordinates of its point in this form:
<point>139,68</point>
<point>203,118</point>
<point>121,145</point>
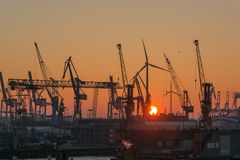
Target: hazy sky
<point>89,31</point>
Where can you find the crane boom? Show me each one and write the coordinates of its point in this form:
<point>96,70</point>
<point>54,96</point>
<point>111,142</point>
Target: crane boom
<point>41,62</point>
<point>53,93</point>
<point>123,68</point>
<point>200,65</point>
<point>182,94</point>
<point>4,93</point>
<point>174,79</point>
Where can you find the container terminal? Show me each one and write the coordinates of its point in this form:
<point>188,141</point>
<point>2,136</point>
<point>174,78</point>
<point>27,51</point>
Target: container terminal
<point>133,128</point>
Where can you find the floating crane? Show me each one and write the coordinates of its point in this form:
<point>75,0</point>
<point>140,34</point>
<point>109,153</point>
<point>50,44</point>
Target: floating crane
<point>76,83</point>
<point>181,93</point>
<point>52,93</point>
<point>205,94</point>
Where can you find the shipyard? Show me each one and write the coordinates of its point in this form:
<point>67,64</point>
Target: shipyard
<point>119,80</point>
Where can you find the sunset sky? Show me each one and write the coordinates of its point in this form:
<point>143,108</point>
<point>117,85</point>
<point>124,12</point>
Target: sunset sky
<point>88,30</point>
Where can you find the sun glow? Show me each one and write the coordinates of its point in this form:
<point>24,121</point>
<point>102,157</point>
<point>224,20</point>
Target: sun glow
<point>153,111</point>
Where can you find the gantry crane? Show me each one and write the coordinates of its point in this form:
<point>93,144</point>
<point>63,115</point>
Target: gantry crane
<point>205,94</point>
<point>39,102</point>
<point>76,83</point>
<point>52,93</point>
<point>36,84</point>
<point>181,93</point>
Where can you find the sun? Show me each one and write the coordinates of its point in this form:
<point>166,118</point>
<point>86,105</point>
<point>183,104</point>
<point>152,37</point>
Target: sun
<point>153,111</point>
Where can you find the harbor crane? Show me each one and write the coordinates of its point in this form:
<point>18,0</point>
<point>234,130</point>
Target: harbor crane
<point>227,103</point>
<point>52,92</point>
<point>76,83</point>
<point>181,93</point>
<point>127,96</point>
<point>205,94</point>
<point>115,109</point>
<point>36,84</point>
<point>225,109</point>
<point>236,96</point>
<point>147,105</point>
<point>8,99</point>
<point>216,111</point>
<point>140,98</point>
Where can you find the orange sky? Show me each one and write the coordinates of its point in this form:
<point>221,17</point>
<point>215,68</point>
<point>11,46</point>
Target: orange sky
<point>89,31</point>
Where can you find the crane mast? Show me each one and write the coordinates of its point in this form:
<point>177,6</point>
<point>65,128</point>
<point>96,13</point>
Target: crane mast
<point>205,94</point>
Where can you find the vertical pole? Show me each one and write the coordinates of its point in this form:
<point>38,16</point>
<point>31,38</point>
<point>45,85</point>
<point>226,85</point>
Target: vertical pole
<point>171,97</point>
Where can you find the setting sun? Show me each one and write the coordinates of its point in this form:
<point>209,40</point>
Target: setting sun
<point>153,111</point>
